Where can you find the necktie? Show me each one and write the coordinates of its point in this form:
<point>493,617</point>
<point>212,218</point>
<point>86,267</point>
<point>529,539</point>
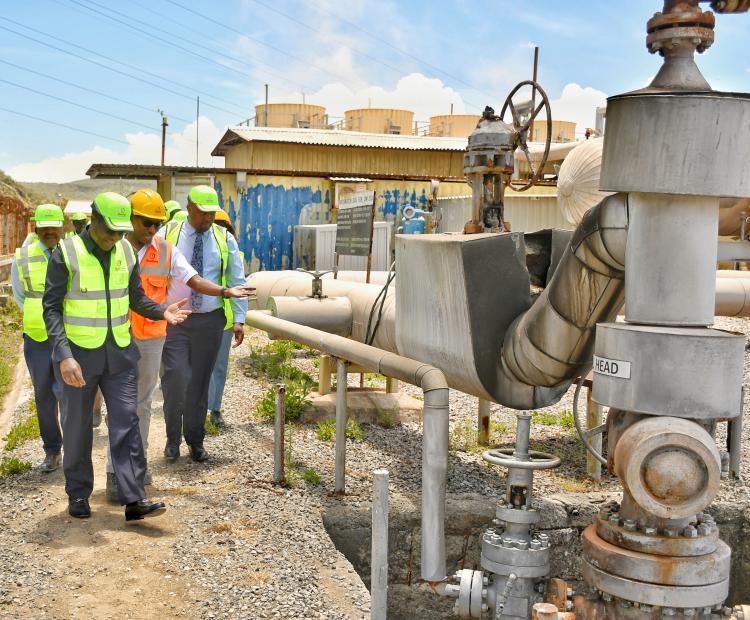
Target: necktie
<point>196,299</point>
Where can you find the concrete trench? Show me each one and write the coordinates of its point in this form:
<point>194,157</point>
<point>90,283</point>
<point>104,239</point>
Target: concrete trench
<point>564,517</point>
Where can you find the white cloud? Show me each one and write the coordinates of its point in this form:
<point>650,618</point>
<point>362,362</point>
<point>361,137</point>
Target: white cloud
<point>578,104</point>
<point>143,148</point>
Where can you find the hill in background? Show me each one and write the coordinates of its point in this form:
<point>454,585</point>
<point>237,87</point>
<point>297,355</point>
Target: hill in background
<point>84,189</point>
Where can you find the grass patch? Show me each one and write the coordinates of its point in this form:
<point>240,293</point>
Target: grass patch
<point>387,418</point>
<point>11,328</point>
<point>573,486</point>
<point>274,361</point>
<point>20,433</point>
<point>210,427</point>
<point>546,418</point>
<point>311,476</point>
<point>326,430</point>
<point>10,466</point>
<point>463,438</point>
<point>295,399</point>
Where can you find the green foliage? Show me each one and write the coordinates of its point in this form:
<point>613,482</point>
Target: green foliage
<point>463,438</point>
<point>12,465</point>
<point>22,432</point>
<point>499,428</point>
<point>11,327</point>
<point>311,476</point>
<point>566,420</point>
<point>296,402</point>
<point>211,428</point>
<point>326,430</point>
<point>387,418</point>
<point>548,418</point>
<point>274,361</point>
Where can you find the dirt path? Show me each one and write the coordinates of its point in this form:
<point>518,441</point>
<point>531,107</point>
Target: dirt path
<point>17,394</point>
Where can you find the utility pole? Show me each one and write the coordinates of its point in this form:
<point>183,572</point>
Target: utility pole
<point>533,92</point>
<point>164,124</point>
<point>197,121</point>
<point>265,109</point>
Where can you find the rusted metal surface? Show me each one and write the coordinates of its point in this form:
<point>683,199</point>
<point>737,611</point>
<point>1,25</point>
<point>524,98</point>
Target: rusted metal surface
<point>657,569</point>
<point>556,593</point>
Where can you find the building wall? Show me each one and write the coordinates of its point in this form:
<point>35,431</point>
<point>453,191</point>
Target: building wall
<point>290,115</point>
<point>379,120</point>
<point>354,161</point>
<point>562,131</point>
<point>458,125</point>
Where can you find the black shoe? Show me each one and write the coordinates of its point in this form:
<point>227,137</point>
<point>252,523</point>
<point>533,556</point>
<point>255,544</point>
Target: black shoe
<point>171,452</point>
<point>50,463</point>
<point>79,508</point>
<point>142,509</point>
<point>198,453</point>
<point>217,419</point>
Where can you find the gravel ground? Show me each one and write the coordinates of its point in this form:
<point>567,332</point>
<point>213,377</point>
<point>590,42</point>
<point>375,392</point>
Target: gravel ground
<point>232,545</point>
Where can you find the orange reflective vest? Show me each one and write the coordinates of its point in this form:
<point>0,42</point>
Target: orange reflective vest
<point>155,269</point>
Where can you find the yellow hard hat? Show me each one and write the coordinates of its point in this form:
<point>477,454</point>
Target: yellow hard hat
<point>148,203</point>
<point>221,216</point>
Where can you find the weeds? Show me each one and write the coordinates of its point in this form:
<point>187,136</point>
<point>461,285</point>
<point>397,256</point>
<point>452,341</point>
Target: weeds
<point>295,399</point>
<point>274,361</point>
<point>387,418</point>
<point>11,326</point>
<point>211,428</point>
<point>326,430</point>
<point>311,476</point>
<point>20,433</point>
<point>547,418</point>
<point>573,486</point>
<point>11,466</point>
<point>463,438</point>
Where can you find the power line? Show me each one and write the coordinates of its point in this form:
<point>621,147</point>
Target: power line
<point>161,87</point>
<point>78,129</point>
<point>305,61</point>
<point>169,43</point>
<point>91,90</point>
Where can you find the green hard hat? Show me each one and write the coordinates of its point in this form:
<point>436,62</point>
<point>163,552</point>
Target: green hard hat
<point>48,216</point>
<point>205,198</point>
<point>172,206</point>
<point>78,216</point>
<point>115,209</point>
<point>180,216</point>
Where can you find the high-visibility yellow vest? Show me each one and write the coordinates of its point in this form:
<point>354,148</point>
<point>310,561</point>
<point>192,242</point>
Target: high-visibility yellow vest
<point>70,234</point>
<point>31,262</point>
<point>86,314</point>
<point>172,234</point>
<point>30,238</point>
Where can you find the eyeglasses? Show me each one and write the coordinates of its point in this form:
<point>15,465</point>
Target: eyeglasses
<point>114,233</point>
<point>150,223</point>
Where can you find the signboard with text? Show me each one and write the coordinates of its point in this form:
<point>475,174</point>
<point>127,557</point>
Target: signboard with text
<point>354,224</point>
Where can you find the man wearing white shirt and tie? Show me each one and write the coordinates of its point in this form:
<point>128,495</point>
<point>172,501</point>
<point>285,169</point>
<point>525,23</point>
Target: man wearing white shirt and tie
<point>190,348</point>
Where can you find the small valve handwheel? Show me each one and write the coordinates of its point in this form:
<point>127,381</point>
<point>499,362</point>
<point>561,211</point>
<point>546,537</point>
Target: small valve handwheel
<point>505,457</point>
<point>317,282</point>
<point>521,127</point>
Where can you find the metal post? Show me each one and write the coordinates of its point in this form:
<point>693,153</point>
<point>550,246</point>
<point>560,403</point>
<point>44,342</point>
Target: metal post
<point>265,109</point>
<point>593,419</point>
<point>483,422</point>
<point>533,92</point>
<point>164,124</point>
<point>197,124</point>
<point>278,435</point>
<point>734,441</point>
<point>379,546</point>
<point>391,385</point>
<point>324,375</point>
<point>342,370</point>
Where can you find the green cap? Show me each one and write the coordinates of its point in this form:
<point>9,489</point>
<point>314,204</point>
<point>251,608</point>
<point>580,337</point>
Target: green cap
<point>205,198</point>
<point>78,216</point>
<point>172,206</point>
<point>180,216</point>
<point>115,209</point>
<point>48,216</point>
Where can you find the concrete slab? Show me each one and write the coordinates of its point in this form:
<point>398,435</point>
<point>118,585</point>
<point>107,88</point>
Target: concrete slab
<point>367,406</point>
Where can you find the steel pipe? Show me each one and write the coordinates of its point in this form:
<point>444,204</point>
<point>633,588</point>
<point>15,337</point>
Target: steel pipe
<point>279,422</point>
<point>379,546</point>
<point>342,372</point>
<point>435,419</point>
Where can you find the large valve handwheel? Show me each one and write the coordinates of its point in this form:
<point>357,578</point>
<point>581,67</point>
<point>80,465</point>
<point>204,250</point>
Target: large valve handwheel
<point>537,460</point>
<point>583,434</point>
<point>521,127</point>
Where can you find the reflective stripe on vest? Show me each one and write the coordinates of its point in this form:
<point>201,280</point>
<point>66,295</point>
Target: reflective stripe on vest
<point>86,313</point>
<point>155,269</point>
<point>31,262</point>
<point>172,234</point>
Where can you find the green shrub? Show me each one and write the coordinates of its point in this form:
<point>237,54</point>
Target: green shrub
<point>296,402</point>
<point>326,430</point>
<point>22,432</point>
<point>274,361</point>
<point>311,476</point>
<point>463,438</point>
<point>387,418</point>
<point>11,466</point>
<point>211,428</point>
<point>548,418</point>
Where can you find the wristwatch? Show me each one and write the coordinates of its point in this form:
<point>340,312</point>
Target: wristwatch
<point>223,290</point>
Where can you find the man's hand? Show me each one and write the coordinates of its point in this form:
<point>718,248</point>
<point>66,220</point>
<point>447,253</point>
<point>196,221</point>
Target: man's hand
<point>239,291</point>
<point>71,372</point>
<point>239,334</point>
<point>174,313</point>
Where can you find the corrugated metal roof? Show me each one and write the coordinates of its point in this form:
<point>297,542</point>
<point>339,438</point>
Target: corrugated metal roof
<point>350,179</point>
<point>339,137</point>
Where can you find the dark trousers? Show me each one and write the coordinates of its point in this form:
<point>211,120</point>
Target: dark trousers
<point>128,460</point>
<point>38,357</point>
<point>190,351</point>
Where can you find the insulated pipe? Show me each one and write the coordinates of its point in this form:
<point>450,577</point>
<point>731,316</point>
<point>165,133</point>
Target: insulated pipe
<point>435,420</point>
<point>733,295</point>
<point>379,546</point>
<point>342,373</point>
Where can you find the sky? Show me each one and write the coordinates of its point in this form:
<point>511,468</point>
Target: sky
<point>86,81</point>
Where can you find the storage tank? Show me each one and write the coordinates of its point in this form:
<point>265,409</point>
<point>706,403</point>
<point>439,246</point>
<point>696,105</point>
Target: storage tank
<point>578,180</point>
<point>379,120</point>
<point>291,115</point>
<point>454,125</point>
<point>562,131</point>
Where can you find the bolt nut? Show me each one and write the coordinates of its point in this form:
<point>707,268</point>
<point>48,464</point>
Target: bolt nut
<point>726,612</point>
<point>703,529</point>
<point>522,545</point>
<point>671,532</point>
<point>606,596</point>
<point>630,525</point>
<point>646,609</point>
<point>568,605</point>
<point>536,545</point>
<point>689,612</point>
<point>485,582</point>
<point>569,592</point>
<point>614,519</point>
<point>484,607</point>
<point>650,530</point>
<point>690,532</point>
<point>669,611</point>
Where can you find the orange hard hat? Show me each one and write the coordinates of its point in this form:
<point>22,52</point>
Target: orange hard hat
<point>148,203</point>
<point>221,216</point>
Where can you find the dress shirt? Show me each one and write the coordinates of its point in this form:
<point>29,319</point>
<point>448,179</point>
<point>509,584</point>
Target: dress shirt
<point>110,357</point>
<point>180,270</point>
<point>211,270</point>
<point>19,293</point>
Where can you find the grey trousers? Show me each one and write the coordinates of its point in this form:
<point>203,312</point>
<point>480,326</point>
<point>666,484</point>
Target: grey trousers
<point>187,362</point>
<point>119,391</point>
<point>38,357</point>
<point>148,374</point>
